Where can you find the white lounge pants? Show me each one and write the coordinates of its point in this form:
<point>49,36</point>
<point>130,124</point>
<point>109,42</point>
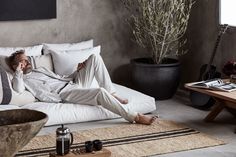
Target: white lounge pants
<point>81,93</point>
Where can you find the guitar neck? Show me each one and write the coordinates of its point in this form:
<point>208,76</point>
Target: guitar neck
<point>222,31</point>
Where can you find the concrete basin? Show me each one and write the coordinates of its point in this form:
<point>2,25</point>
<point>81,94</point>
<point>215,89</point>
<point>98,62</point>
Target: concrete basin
<point>17,128</point>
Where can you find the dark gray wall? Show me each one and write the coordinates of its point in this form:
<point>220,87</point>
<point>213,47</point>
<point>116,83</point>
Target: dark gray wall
<point>202,34</point>
<point>103,20</point>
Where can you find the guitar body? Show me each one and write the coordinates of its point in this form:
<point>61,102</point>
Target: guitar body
<point>210,74</point>
<point>203,101</point>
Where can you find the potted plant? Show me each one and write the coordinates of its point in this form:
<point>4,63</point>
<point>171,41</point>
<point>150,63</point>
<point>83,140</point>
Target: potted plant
<point>159,26</point>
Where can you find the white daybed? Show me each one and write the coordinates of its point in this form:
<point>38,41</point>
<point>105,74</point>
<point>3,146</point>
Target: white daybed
<point>61,113</point>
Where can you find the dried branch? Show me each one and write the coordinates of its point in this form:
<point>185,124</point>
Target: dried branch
<point>160,25</point>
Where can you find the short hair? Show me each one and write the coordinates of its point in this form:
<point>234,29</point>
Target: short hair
<point>12,60</point>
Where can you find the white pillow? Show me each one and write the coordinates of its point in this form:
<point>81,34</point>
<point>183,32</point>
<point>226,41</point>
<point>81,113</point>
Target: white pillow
<point>11,96</point>
<point>65,62</point>
<point>36,61</point>
<point>23,98</point>
<point>20,99</point>
<point>29,51</point>
<point>4,64</point>
<point>67,46</point>
<point>5,87</point>
<point>41,61</point>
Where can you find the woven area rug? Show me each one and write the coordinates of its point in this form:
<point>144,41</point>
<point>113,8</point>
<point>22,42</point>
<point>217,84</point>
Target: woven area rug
<point>130,140</point>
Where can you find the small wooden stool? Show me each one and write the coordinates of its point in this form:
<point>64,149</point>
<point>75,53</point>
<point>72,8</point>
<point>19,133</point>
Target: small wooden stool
<point>102,153</point>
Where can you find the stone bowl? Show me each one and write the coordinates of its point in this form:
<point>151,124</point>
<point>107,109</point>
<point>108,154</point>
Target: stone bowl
<point>17,128</point>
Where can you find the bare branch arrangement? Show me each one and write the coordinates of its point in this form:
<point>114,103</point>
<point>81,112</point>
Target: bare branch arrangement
<point>160,25</point>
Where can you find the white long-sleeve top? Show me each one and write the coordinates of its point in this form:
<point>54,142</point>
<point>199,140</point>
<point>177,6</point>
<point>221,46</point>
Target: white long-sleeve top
<point>42,83</point>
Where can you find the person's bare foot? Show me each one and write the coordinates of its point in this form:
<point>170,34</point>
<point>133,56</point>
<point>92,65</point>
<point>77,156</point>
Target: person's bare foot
<point>145,119</point>
<point>122,101</point>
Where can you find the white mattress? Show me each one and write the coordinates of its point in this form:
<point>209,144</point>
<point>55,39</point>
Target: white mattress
<point>62,113</point>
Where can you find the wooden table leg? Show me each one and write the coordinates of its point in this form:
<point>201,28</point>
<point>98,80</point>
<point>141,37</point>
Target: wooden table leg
<point>215,111</point>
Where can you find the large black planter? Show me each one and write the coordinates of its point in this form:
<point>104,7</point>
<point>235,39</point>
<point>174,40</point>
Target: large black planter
<point>157,80</point>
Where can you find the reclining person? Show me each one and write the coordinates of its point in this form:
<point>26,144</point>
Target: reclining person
<point>47,86</point>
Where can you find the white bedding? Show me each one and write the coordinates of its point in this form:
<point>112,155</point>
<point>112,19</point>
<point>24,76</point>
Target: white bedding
<point>62,113</point>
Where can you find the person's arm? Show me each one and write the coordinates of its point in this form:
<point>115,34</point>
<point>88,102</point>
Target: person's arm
<point>17,81</point>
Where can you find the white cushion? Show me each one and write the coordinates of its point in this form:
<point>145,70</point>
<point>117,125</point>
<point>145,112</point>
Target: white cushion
<point>20,98</point>
<point>13,97</point>
<point>67,46</point>
<point>29,51</point>
<point>4,64</point>
<point>36,61</point>
<point>23,98</point>
<point>65,62</point>
<point>8,107</point>
<point>42,61</point>
<point>5,87</point>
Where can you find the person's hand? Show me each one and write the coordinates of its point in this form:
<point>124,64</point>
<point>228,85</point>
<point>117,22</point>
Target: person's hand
<point>81,66</point>
<point>20,66</point>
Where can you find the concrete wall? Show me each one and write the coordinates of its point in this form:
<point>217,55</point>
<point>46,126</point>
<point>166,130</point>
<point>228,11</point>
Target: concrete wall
<point>202,34</point>
<point>103,20</point>
<point>77,20</point>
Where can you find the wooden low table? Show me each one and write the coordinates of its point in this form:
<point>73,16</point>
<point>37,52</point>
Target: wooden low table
<point>223,99</point>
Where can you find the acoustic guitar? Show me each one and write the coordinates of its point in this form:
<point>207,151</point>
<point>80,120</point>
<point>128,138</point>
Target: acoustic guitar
<point>207,72</point>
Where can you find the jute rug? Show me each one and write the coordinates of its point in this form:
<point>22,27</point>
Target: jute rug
<point>131,140</point>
